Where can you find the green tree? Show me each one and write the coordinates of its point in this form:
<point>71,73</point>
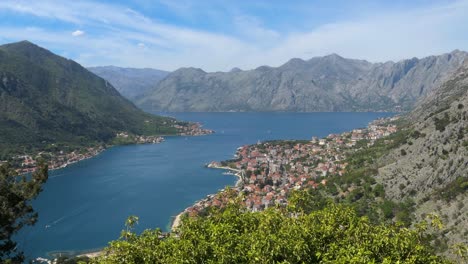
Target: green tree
<point>334,234</point>
<point>16,193</point>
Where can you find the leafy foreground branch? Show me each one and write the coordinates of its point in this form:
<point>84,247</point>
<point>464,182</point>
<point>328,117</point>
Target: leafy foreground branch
<point>16,193</point>
<point>335,234</point>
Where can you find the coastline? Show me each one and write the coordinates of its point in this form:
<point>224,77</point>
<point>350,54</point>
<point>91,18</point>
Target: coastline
<point>70,162</point>
<point>92,254</point>
<point>235,172</point>
<point>100,150</point>
<point>95,151</point>
<point>176,221</point>
<point>60,160</point>
<point>327,166</point>
<point>56,165</point>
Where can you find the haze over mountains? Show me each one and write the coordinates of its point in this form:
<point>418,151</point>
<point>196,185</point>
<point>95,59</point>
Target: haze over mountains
<point>46,99</point>
<point>329,83</point>
<point>130,82</point>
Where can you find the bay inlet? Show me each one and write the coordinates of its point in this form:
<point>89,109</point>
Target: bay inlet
<point>84,205</point>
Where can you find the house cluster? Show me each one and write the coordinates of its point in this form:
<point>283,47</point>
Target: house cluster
<point>376,129</point>
<point>193,129</point>
<point>273,169</point>
<point>270,170</point>
<point>216,200</point>
<point>140,139</point>
<point>27,163</point>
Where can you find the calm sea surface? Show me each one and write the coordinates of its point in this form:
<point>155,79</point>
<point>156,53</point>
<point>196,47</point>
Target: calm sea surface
<point>85,205</point>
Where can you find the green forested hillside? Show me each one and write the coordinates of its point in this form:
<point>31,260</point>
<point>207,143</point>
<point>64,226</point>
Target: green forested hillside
<point>46,99</point>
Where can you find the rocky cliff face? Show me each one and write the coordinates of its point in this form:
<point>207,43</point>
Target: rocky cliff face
<point>329,83</point>
<point>432,166</point>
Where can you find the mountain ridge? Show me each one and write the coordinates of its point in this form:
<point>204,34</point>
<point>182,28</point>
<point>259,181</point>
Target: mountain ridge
<point>329,83</point>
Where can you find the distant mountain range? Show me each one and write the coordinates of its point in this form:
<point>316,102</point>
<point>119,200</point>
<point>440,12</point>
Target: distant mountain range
<point>130,82</point>
<point>329,83</point>
<point>46,100</point>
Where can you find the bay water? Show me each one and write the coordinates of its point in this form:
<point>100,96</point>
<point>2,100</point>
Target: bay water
<point>85,205</point>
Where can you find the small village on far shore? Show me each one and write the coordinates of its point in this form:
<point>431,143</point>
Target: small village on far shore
<point>268,171</point>
<point>27,163</point>
<point>194,129</point>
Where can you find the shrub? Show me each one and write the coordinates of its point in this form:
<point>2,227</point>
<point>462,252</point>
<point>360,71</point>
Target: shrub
<point>402,186</point>
<point>440,124</point>
<point>335,234</point>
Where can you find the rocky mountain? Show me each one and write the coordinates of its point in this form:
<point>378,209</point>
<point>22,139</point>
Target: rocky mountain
<point>130,82</point>
<point>46,99</point>
<point>431,166</point>
<point>329,83</point>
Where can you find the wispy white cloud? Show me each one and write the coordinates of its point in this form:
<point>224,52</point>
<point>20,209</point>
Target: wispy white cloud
<point>253,29</point>
<point>118,35</point>
<point>385,36</point>
<point>77,33</point>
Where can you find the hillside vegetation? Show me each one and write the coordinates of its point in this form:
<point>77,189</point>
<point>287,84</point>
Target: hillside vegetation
<point>418,171</point>
<point>334,234</point>
<point>431,165</point>
<point>46,99</point>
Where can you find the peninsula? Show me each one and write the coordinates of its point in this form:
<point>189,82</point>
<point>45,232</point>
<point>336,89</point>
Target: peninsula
<point>269,171</point>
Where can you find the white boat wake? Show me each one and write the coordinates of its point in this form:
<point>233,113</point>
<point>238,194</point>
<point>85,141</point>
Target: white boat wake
<point>72,214</point>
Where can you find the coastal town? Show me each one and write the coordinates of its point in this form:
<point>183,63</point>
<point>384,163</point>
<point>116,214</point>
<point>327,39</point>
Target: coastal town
<point>135,139</point>
<point>27,163</point>
<point>194,129</point>
<point>269,171</point>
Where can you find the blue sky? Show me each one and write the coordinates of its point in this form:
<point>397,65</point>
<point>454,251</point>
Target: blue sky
<point>217,35</point>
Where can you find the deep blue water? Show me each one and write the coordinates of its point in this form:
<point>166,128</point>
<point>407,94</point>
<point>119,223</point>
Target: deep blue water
<point>85,205</point>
